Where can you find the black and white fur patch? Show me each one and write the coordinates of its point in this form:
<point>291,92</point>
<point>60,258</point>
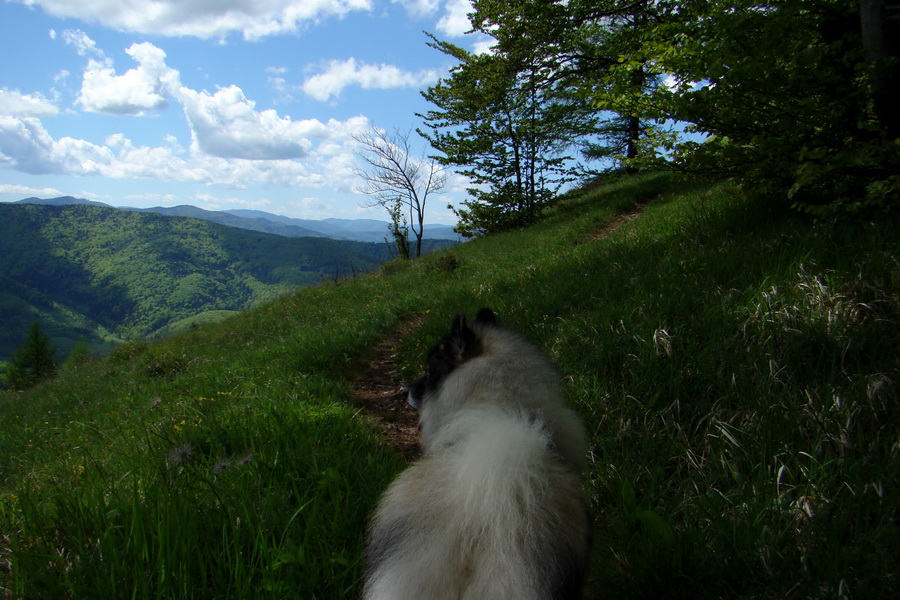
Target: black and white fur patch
<point>495,507</point>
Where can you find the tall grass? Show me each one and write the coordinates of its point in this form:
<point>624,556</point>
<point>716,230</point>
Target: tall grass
<point>735,365</point>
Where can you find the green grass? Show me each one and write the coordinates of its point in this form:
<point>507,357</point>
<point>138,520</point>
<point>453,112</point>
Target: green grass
<point>735,365</point>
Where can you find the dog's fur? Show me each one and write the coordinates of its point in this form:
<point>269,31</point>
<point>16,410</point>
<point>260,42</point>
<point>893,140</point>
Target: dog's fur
<point>495,508</point>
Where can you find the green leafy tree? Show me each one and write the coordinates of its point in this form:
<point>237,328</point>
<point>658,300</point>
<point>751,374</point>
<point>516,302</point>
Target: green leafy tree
<point>779,90</point>
<point>791,96</point>
<point>33,361</point>
<point>80,354</point>
<point>398,229</point>
<point>513,119</point>
<point>506,126</point>
<point>575,44</point>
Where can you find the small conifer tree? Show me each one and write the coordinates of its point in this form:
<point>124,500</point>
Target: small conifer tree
<point>33,361</point>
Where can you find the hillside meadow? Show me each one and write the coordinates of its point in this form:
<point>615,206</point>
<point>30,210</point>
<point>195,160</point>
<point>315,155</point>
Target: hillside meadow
<point>735,363</point>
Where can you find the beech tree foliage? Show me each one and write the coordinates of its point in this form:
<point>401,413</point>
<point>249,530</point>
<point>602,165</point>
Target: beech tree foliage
<point>779,89</point>
<point>793,97</point>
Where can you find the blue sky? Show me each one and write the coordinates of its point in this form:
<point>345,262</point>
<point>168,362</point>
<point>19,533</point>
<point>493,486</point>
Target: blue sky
<point>221,104</point>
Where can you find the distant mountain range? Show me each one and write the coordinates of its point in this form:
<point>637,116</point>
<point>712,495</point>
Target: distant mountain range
<point>360,230</point>
<point>89,271</point>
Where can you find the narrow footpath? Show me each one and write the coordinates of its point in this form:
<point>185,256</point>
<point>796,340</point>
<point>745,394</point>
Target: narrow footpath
<point>378,390</point>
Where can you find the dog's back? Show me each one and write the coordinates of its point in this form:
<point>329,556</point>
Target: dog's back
<point>495,508</point>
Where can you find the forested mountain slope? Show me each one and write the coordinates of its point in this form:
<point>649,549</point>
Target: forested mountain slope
<point>360,230</point>
<point>107,274</point>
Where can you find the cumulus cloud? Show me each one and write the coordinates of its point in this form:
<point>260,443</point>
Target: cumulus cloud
<point>339,74</point>
<point>145,87</point>
<point>83,44</point>
<point>419,8</point>
<point>226,124</point>
<point>253,19</point>
<point>455,21</point>
<point>8,189</point>
<point>233,143</point>
<point>15,103</point>
<point>26,146</point>
<point>485,45</point>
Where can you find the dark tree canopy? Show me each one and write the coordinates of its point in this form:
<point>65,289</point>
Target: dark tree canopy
<point>794,97</point>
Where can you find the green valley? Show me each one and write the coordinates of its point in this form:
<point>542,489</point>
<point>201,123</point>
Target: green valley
<point>106,275</point>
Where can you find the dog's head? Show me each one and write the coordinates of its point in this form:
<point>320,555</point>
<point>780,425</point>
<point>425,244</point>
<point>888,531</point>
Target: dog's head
<point>460,345</point>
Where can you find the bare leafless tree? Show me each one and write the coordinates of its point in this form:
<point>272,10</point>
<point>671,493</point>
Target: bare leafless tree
<point>391,176</point>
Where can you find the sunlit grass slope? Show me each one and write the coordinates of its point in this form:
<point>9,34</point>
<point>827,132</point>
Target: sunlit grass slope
<point>736,366</point>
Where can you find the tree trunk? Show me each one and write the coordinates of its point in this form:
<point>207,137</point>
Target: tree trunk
<point>638,83</point>
<point>420,232</point>
<point>634,134</point>
<point>880,20</point>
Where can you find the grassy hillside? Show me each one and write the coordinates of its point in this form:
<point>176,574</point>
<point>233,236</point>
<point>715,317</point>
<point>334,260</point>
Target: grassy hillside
<point>105,275</point>
<point>735,365</point>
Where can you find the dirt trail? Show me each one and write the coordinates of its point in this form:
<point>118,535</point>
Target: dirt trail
<point>378,390</point>
<point>620,220</point>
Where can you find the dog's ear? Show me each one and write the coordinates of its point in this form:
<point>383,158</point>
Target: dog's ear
<point>459,325</point>
<point>485,316</point>
<point>461,341</point>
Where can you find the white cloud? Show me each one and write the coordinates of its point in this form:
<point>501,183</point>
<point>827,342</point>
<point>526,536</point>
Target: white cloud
<point>15,103</point>
<point>203,18</point>
<point>419,8</point>
<point>233,143</point>
<point>455,22</point>
<point>227,125</point>
<point>84,45</point>
<point>26,146</point>
<point>219,202</point>
<point>62,77</point>
<point>138,90</point>
<point>23,191</point>
<point>484,46</point>
<point>340,74</point>
<point>283,90</point>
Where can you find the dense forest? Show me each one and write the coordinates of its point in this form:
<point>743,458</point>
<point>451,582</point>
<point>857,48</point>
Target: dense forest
<point>796,97</point>
<point>105,275</point>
